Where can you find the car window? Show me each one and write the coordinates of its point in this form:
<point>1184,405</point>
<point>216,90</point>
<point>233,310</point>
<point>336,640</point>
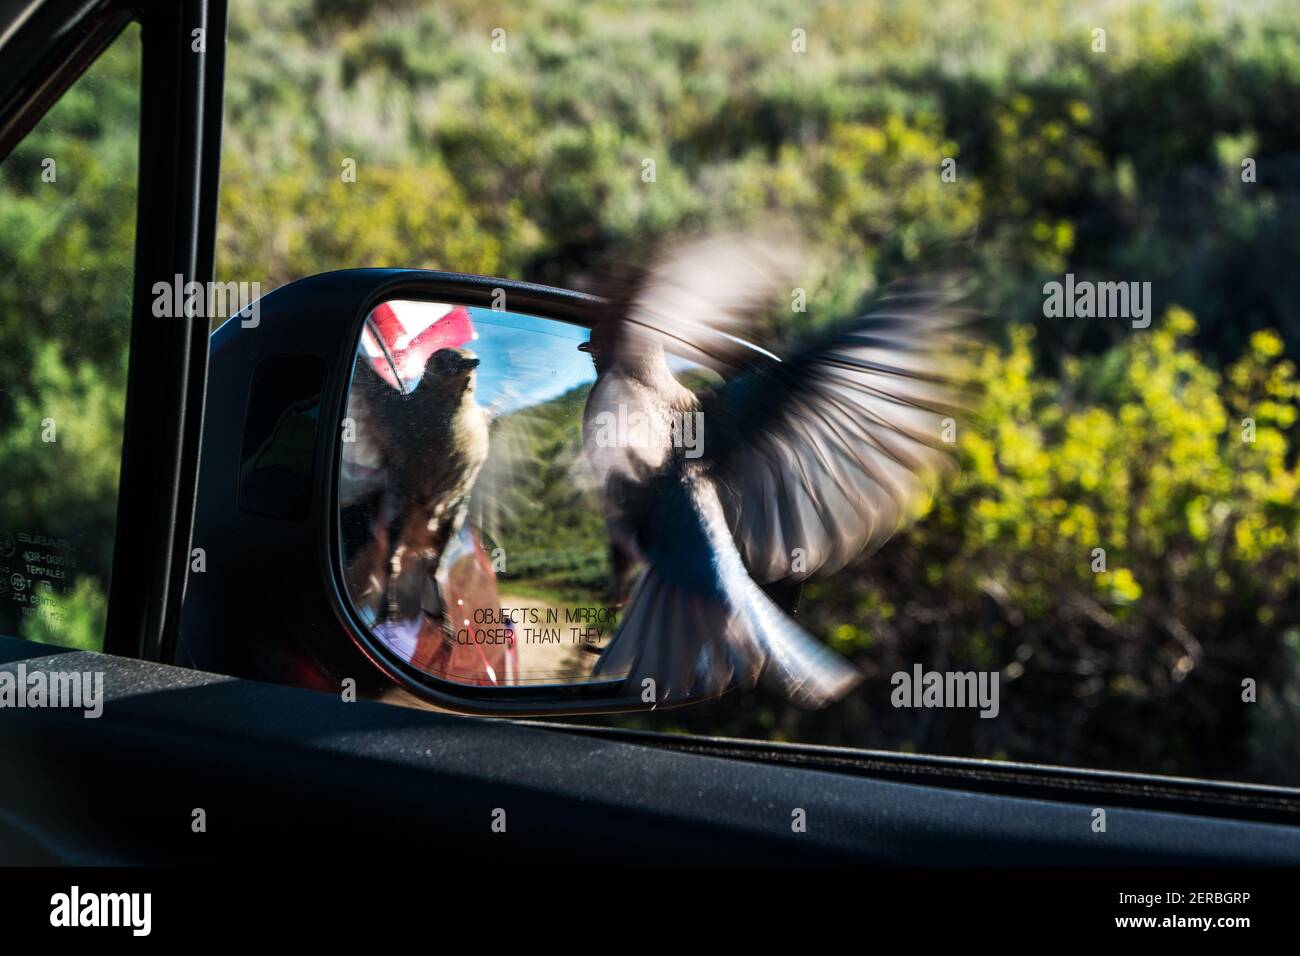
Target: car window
<point>1110,578</point>
<point>67,239</point>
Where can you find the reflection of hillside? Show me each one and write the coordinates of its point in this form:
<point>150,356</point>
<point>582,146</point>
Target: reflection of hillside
<point>547,521</point>
<point>563,410</point>
<point>551,527</point>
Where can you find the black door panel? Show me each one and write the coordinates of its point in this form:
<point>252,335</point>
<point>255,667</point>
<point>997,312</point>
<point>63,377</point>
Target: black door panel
<point>288,774</point>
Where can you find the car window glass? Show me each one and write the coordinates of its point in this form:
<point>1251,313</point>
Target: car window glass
<point>1110,578</point>
<point>67,239</point>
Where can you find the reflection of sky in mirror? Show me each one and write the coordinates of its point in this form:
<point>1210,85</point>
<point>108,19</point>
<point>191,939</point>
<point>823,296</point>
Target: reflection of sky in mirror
<point>526,360</point>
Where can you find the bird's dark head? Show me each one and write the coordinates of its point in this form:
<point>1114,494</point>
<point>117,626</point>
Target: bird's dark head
<point>450,370</point>
<point>602,344</point>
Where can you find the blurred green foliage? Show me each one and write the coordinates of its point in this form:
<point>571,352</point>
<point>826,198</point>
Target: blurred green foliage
<point>67,244</point>
<point>76,619</point>
<point>528,162</point>
<point>1133,658</point>
<point>548,519</point>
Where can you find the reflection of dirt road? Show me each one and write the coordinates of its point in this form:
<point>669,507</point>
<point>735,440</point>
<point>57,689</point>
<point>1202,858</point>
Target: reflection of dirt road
<point>548,662</point>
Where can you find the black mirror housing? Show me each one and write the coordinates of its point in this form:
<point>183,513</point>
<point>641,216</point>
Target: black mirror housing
<point>266,597</point>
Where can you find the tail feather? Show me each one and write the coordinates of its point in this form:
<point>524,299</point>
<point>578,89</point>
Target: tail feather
<point>698,631</point>
<point>687,643</point>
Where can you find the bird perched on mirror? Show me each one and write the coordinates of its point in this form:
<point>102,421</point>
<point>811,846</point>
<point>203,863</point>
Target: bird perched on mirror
<point>805,462</point>
<point>430,444</point>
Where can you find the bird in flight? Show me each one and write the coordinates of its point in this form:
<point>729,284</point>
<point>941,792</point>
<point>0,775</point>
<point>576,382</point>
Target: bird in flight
<point>797,465</point>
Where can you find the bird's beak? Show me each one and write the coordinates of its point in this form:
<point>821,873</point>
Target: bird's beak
<point>585,347</point>
<point>468,364</point>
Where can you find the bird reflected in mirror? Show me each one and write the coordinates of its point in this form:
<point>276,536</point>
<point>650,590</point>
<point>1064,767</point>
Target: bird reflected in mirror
<point>805,462</point>
<point>429,444</point>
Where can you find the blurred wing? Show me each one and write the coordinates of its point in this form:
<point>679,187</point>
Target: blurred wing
<point>362,465</point>
<point>827,454</point>
<point>580,475</point>
<point>697,624</point>
<point>699,299</point>
<point>507,488</point>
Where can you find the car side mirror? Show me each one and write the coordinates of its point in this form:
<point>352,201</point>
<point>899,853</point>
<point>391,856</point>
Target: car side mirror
<point>394,491</point>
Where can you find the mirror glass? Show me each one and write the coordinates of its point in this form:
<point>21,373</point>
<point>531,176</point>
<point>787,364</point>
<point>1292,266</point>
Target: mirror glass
<point>474,547</point>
